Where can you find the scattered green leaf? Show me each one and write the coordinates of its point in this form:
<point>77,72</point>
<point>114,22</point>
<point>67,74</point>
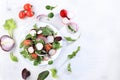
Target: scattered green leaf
<point>70,39</point>
<point>69,67</point>
<point>10,25</point>
<point>47,31</point>
<point>13,58</point>
<point>54,72</point>
<point>48,7</point>
<point>70,56</point>
<point>43,75</point>
<point>51,15</point>
<point>50,62</point>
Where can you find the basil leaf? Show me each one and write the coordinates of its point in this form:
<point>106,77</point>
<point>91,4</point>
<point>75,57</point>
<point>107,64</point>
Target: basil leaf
<point>69,67</point>
<point>48,7</point>
<point>70,56</point>
<point>43,75</point>
<point>50,15</point>
<point>70,39</point>
<point>13,58</point>
<point>56,45</point>
<point>71,29</point>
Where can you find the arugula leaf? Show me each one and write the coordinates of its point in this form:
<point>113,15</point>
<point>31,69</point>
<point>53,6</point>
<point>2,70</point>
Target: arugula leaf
<point>47,31</point>
<point>50,62</point>
<point>48,7</point>
<point>51,15</point>
<point>56,45</point>
<point>10,25</point>
<point>37,61</point>
<point>54,72</point>
<point>70,56</point>
<point>43,75</point>
<point>70,39</point>
<point>35,26</point>
<point>13,58</point>
<point>69,67</point>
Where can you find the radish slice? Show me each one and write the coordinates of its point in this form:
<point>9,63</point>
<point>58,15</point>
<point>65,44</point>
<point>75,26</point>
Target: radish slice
<point>7,43</point>
<point>73,27</point>
<point>65,21</point>
<point>41,16</point>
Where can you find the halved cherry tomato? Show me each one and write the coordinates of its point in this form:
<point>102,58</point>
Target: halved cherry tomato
<point>34,55</point>
<point>22,14</point>
<point>29,13</point>
<point>27,42</point>
<point>27,7</point>
<point>48,47</point>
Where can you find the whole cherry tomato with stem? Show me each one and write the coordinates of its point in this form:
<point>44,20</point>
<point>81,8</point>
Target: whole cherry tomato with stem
<point>27,7</point>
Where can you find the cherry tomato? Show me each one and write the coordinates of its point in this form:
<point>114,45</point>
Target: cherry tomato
<point>63,13</point>
<point>22,14</point>
<point>29,13</point>
<point>27,7</point>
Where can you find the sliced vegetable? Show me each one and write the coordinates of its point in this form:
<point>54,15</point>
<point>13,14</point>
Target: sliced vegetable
<point>69,67</point>
<point>31,49</point>
<point>70,56</point>
<point>10,25</point>
<point>34,55</point>
<point>39,46</point>
<point>6,43</point>
<point>43,75</point>
<point>26,42</point>
<point>25,73</point>
<point>54,72</point>
<point>73,27</point>
<point>48,47</point>
<point>13,58</point>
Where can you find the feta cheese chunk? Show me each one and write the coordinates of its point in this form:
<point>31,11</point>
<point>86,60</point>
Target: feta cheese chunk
<point>33,32</point>
<point>50,39</point>
<point>52,52</point>
<point>39,32</point>
<point>30,49</point>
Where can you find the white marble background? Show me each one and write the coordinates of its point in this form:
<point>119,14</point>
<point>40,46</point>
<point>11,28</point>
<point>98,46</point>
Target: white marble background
<point>99,22</point>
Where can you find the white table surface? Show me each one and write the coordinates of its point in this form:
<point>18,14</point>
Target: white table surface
<point>99,25</point>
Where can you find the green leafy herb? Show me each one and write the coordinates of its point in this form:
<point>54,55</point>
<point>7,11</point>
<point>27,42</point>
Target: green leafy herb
<point>35,26</point>
<point>47,31</point>
<point>28,36</point>
<point>70,39</point>
<point>54,72</point>
<point>56,45</point>
<point>10,25</point>
<point>51,15</point>
<point>25,53</point>
<point>37,61</point>
<point>13,58</point>
<point>71,29</point>
<point>48,7</point>
<point>43,75</point>
<point>70,56</point>
<point>50,62</point>
<point>69,67</point>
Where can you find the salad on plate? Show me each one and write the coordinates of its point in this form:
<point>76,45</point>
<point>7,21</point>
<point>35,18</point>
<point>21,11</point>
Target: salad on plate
<point>42,44</point>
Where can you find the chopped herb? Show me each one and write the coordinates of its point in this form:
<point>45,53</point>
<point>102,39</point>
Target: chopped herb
<point>28,36</point>
<point>43,75</point>
<point>50,62</point>
<point>48,7</point>
<point>25,53</point>
<point>37,61</point>
<point>54,72</point>
<point>51,15</point>
<point>69,67</point>
<point>35,26</point>
<point>13,58</point>
<point>70,56</point>
<point>71,29</point>
<point>10,25</point>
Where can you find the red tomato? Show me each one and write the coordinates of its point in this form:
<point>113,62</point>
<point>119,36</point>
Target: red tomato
<point>63,13</point>
<point>22,14</point>
<point>29,13</point>
<point>27,42</point>
<point>34,55</point>
<point>27,7</point>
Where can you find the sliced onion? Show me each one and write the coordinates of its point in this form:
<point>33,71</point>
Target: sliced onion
<point>65,21</point>
<point>41,16</point>
<point>6,43</point>
<point>42,37</point>
<point>73,26</point>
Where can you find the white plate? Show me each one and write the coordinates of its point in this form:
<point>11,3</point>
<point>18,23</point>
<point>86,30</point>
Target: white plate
<point>26,31</point>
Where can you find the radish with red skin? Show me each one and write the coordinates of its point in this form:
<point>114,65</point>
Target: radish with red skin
<point>63,14</point>
<point>7,43</point>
